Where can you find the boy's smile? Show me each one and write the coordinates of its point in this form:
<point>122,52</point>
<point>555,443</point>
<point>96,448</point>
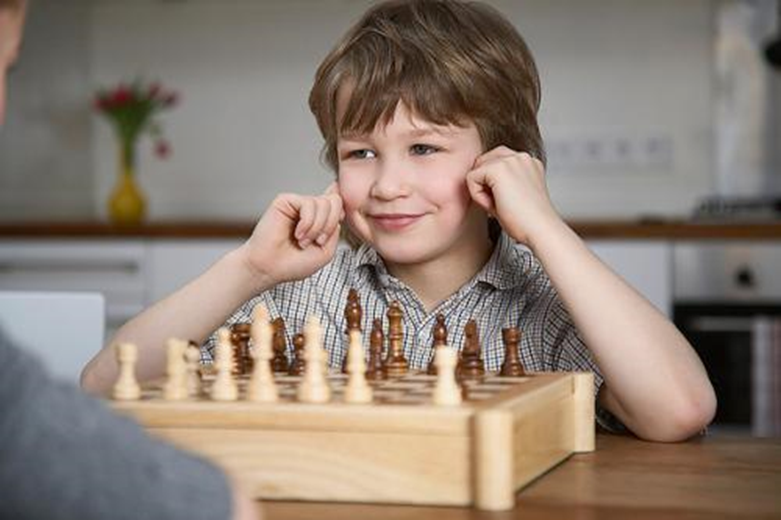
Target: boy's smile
<point>405,193</point>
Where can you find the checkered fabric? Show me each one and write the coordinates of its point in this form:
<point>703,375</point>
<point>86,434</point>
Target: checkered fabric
<point>511,289</point>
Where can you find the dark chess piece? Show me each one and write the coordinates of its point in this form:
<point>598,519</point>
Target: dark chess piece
<point>374,370</point>
<point>299,363</point>
<point>242,358</point>
<point>279,345</point>
<point>512,364</point>
<point>395,364</point>
<point>471,365</point>
<point>440,340</point>
<point>353,314</point>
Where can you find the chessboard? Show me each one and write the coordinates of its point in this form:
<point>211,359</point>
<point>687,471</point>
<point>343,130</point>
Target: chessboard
<point>399,448</point>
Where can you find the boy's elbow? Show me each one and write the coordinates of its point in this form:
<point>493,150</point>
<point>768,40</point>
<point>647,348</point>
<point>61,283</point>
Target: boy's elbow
<point>687,418</point>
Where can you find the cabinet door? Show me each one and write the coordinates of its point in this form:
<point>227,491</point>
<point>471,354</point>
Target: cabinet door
<point>114,268</point>
<point>645,264</point>
<point>173,263</point>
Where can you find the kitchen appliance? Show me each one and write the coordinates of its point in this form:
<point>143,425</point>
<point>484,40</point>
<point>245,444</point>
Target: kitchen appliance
<point>727,302</point>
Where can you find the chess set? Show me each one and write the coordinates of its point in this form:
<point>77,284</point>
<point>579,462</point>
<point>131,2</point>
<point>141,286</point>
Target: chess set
<point>372,430</point>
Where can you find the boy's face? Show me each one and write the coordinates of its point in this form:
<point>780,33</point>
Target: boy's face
<point>10,40</point>
<point>404,188</point>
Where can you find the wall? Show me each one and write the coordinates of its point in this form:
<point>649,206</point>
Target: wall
<point>610,68</point>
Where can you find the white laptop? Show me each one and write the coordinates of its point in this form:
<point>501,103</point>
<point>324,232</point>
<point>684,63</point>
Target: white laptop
<point>64,329</point>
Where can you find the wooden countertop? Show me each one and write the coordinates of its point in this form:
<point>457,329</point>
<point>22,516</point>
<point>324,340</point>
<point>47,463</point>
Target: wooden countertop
<point>591,229</point>
<point>711,477</point>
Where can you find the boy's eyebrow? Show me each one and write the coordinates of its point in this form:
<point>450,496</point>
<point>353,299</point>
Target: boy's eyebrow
<point>412,134</point>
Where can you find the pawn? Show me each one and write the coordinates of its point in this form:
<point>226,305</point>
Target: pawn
<point>446,391</point>
<point>126,387</point>
<point>440,339</point>
<point>192,356</point>
<point>175,388</point>
<point>261,388</point>
<point>358,390</point>
<point>224,387</point>
<point>375,370</point>
<point>298,365</point>
<point>512,364</point>
<point>279,362</point>
<point>471,366</point>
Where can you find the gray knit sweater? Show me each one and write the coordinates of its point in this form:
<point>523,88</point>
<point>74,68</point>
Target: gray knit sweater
<point>64,455</point>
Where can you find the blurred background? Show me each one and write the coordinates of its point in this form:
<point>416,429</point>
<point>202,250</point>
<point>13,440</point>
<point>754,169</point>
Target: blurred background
<point>662,122</point>
<point>633,95</point>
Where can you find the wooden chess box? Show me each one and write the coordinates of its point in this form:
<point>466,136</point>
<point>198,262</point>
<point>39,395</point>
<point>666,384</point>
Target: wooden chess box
<point>398,449</point>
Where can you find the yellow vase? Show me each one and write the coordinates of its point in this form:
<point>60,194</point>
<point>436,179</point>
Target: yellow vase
<point>126,206</point>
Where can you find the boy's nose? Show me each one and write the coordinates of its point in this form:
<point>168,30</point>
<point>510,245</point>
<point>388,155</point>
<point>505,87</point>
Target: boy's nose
<point>392,180</point>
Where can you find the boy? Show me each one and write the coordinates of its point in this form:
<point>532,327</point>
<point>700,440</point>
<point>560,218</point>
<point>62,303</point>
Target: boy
<point>428,110</point>
<point>64,455</point>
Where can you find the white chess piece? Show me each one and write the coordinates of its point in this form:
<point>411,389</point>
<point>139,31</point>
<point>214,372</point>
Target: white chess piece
<point>224,387</point>
<point>262,388</point>
<point>314,386</point>
<point>192,355</point>
<point>175,388</point>
<point>126,387</point>
<point>446,392</point>
<point>358,390</point>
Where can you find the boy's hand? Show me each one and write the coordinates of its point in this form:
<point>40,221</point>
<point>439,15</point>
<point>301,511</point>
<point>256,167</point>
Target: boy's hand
<point>296,236</point>
<point>510,186</point>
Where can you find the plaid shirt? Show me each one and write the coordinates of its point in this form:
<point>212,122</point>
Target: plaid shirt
<point>511,289</point>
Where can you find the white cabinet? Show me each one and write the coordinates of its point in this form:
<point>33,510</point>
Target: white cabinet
<point>173,263</point>
<point>117,269</point>
<point>644,264</point>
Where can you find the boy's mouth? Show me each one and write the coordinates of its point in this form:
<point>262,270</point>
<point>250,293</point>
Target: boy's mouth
<point>394,221</point>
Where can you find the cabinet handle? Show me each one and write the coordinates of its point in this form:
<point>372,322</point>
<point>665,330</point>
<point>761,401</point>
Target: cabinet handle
<point>78,266</point>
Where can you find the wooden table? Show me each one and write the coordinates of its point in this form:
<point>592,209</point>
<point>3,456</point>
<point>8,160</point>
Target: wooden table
<point>712,477</point>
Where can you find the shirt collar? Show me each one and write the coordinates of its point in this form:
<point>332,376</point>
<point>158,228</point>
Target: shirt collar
<point>504,269</point>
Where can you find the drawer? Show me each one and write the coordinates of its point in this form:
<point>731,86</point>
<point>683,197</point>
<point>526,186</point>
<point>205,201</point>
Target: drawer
<point>118,270</point>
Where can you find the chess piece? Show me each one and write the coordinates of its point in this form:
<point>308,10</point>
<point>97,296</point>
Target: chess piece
<point>279,362</point>
<point>224,387</point>
<point>314,386</point>
<point>446,390</point>
<point>261,388</point>
<point>395,365</point>
<point>353,314</point>
<point>439,333</point>
<point>175,388</point>
<point>299,363</point>
<point>242,358</point>
<point>375,369</point>
<point>512,364</point>
<point>471,366</point>
<point>358,390</point>
<point>126,387</point>
<point>192,356</point>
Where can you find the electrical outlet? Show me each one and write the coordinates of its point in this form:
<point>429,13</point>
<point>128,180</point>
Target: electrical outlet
<point>611,153</point>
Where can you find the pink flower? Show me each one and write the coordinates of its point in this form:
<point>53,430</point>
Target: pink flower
<point>162,149</point>
<point>171,99</point>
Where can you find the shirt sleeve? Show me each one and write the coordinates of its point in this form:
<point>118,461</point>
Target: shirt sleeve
<point>565,351</point>
<point>65,455</point>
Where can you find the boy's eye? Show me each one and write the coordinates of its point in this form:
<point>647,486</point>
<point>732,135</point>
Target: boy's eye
<point>423,149</point>
<point>361,154</point>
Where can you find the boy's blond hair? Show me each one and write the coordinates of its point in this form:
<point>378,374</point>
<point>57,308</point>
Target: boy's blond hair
<point>450,62</point>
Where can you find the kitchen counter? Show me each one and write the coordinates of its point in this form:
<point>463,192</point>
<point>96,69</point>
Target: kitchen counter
<point>588,229</point>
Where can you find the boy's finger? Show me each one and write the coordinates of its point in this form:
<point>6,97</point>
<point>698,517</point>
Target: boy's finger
<point>306,217</point>
<point>322,211</point>
<point>496,153</point>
